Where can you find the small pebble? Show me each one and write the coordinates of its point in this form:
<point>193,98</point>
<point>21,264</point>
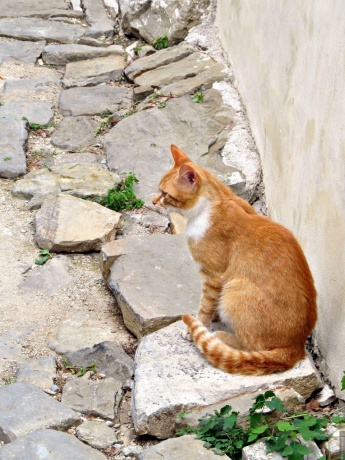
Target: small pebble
<point>55,388</point>
<point>109,423</point>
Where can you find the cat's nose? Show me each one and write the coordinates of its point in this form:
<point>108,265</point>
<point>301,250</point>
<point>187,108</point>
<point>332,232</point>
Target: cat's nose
<point>157,199</point>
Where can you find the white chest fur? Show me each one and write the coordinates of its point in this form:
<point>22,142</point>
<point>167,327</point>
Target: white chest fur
<point>198,219</point>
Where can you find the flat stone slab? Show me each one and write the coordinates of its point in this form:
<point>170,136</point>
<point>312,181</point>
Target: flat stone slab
<point>193,383</point>
<point>81,331</point>
<point>70,224</point>
<point>25,408</point>
<point>75,133</point>
<point>50,278</point>
<point>99,398</point>
<point>39,112</point>
<point>97,17</point>
<point>20,50</point>
<point>39,29</point>
<point>187,67</point>
<point>97,434</point>
<point>63,54</point>
<point>110,358</point>
<point>200,130</point>
<point>185,447</point>
<point>95,100</point>
<point>145,308</point>
<point>49,444</point>
<point>162,58</point>
<point>200,82</point>
<point>11,349</point>
<point>82,180</point>
<point>42,8</point>
<point>12,145</point>
<point>39,372</point>
<point>93,71</point>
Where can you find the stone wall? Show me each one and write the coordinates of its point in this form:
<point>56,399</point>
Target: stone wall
<point>288,58</point>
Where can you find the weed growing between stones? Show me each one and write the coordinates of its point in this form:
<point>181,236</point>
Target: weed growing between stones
<point>198,97</point>
<point>123,196</point>
<point>160,42</point>
<point>222,432</point>
<point>44,255</point>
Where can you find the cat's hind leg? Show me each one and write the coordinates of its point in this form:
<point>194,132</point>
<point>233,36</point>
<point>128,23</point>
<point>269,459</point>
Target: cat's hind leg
<point>228,338</point>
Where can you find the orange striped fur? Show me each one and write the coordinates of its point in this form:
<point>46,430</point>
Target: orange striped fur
<point>255,275</point>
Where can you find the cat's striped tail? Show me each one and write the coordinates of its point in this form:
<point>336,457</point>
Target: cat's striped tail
<point>237,361</point>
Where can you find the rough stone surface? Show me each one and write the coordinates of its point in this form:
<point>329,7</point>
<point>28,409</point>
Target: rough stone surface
<point>49,444</point>
<point>74,133</point>
<point>10,346</point>
<point>81,180</point>
<point>21,51</point>
<point>185,447</point>
<point>159,59</point>
<point>93,71</point>
<point>109,357</point>
<point>42,8</point>
<point>50,278</point>
<point>150,20</point>
<point>63,54</point>
<point>39,112</point>
<point>70,224</point>
<point>95,100</point>
<point>93,398</point>
<point>12,144</point>
<point>200,82</point>
<point>193,383</point>
<point>198,129</point>
<point>25,408</point>
<point>258,452</point>
<point>31,90</point>
<point>39,29</point>
<point>97,17</point>
<point>187,67</point>
<point>178,293</point>
<point>40,372</point>
<point>81,331</point>
<point>97,434</point>
<point>332,446</point>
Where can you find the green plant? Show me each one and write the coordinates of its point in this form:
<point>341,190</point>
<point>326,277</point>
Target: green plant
<point>198,97</point>
<point>222,432</point>
<point>343,382</point>
<point>106,113</point>
<point>161,42</point>
<point>79,371</point>
<point>44,255</point>
<point>37,126</point>
<point>7,158</point>
<point>122,196</point>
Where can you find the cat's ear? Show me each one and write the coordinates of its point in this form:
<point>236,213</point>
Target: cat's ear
<point>188,176</point>
<point>179,157</point>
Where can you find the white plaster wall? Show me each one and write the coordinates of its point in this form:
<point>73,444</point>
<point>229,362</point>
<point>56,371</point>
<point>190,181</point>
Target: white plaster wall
<point>289,62</point>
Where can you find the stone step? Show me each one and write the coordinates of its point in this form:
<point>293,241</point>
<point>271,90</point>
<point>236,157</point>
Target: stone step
<point>63,54</point>
<point>21,51</point>
<point>198,129</point>
<point>154,280</point>
<point>12,147</point>
<point>172,376</point>
<point>49,444</point>
<point>25,408</point>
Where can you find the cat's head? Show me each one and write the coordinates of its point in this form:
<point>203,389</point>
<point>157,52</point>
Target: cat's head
<point>179,188</point>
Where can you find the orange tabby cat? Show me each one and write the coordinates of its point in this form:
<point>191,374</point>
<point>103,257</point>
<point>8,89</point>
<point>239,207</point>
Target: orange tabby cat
<point>254,271</point>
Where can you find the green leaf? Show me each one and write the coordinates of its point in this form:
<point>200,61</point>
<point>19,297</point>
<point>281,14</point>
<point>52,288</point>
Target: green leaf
<point>255,419</point>
<point>288,450</point>
<point>343,382</point>
<point>225,410</point>
<point>338,419</point>
<point>41,260</point>
<point>276,404</point>
<point>260,429</point>
<point>285,426</point>
<point>229,422</point>
<point>45,252</point>
<point>301,449</point>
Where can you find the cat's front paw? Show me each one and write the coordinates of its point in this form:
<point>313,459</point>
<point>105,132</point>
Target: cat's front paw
<point>186,335</point>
